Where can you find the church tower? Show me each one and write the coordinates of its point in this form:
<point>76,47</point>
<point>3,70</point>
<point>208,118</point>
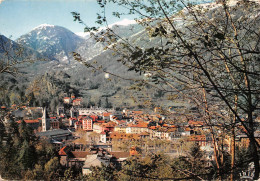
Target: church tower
<point>45,120</point>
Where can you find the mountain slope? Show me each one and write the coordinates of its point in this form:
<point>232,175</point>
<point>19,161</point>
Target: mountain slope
<point>55,42</point>
<point>92,48</point>
<point>9,48</point>
<point>14,55</point>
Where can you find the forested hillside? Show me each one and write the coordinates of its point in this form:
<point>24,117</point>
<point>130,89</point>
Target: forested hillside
<point>49,79</point>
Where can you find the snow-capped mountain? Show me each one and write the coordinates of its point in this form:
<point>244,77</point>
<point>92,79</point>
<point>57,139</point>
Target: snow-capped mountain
<point>120,24</point>
<point>124,22</point>
<point>84,35</point>
<point>123,29</point>
<point>55,42</point>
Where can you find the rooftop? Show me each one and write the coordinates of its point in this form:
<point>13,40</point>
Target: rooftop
<point>55,132</point>
<point>80,154</point>
<point>120,154</point>
<point>29,121</point>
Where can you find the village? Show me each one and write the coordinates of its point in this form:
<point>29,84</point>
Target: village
<point>87,137</point>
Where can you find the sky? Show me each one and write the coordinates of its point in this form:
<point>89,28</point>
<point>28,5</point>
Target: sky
<point>18,17</point>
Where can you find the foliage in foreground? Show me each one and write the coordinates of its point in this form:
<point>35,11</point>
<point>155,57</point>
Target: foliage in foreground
<point>22,155</point>
<point>209,50</point>
<point>194,166</point>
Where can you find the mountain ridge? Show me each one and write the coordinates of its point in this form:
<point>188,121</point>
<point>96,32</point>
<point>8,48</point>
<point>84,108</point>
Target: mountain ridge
<point>53,41</point>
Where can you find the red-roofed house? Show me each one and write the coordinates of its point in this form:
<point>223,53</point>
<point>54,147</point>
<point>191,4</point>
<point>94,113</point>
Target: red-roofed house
<point>160,134</point>
<point>78,124</point>
<point>77,158</point>
<point>144,135</point>
<point>120,156</point>
<point>101,121</point>
<point>87,124</point>
<point>201,139</point>
<point>76,102</point>
<point>34,124</point>
<point>70,158</point>
<point>94,117</point>
<point>106,127</point>
<point>98,127</point>
<point>137,128</point>
<point>195,123</point>
<point>123,136</point>
<point>174,126</point>
<point>29,121</point>
<point>66,100</point>
<point>153,127</point>
<point>120,128</point>
<point>110,126</point>
<point>54,123</point>
<point>106,116</point>
<point>63,153</point>
<point>165,125</point>
<point>137,112</point>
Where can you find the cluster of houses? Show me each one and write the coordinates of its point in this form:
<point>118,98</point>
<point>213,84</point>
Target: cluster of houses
<point>110,125</point>
<point>85,159</point>
<point>113,125</point>
<point>134,125</point>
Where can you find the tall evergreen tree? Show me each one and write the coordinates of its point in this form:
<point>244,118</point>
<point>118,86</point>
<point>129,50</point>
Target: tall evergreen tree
<point>26,156</point>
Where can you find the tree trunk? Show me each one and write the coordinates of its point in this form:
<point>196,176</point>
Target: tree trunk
<point>255,156</point>
<point>233,144</point>
<point>233,147</point>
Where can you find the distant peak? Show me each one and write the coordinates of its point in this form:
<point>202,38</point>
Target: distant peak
<point>83,34</point>
<point>43,26</point>
<point>124,22</point>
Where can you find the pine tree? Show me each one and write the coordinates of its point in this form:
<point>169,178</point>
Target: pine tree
<point>197,160</point>
<point>26,156</point>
